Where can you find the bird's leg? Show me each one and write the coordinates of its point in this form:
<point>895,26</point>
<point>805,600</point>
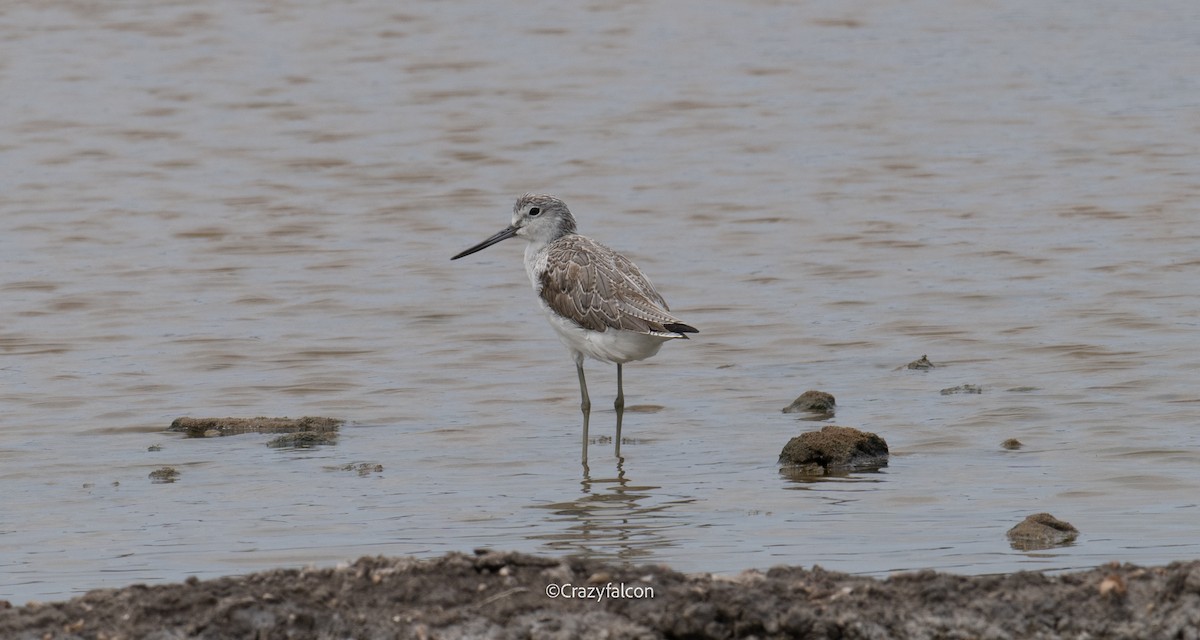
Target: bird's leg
<point>619,405</point>
<point>585,406</point>
<point>585,440</point>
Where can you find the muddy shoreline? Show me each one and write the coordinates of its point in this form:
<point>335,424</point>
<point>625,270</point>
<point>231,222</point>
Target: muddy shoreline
<point>509,595</point>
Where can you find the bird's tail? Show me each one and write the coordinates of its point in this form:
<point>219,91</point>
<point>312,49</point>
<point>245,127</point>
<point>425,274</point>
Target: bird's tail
<point>681,329</point>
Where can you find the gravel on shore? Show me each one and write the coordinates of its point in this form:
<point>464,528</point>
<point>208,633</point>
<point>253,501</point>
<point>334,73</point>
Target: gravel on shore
<point>511,595</point>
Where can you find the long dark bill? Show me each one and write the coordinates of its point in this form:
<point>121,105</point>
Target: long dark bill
<point>503,235</point>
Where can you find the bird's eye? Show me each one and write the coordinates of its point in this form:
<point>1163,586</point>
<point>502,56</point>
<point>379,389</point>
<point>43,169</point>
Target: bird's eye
<point>534,211</point>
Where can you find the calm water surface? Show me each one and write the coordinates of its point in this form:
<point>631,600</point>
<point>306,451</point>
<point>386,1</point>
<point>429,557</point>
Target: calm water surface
<point>226,208</point>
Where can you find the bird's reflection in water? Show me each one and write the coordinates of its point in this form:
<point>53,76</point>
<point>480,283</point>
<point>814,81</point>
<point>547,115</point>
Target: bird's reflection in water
<point>613,517</point>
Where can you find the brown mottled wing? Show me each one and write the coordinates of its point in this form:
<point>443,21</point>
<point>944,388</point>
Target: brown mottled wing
<point>599,289</point>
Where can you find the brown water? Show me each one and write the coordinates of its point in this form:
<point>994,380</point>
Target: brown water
<point>222,208</point>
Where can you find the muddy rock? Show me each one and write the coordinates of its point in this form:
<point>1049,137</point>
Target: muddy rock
<point>510,595</point>
<point>812,401</point>
<point>962,388</point>
<point>1012,444</point>
<point>1041,531</point>
<point>835,449</point>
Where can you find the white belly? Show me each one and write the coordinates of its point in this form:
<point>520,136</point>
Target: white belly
<point>608,346</point>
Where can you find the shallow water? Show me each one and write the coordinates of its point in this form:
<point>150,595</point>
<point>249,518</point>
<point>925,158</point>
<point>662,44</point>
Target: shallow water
<point>212,210</point>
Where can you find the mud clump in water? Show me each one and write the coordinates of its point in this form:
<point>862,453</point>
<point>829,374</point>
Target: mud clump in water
<point>303,439</point>
<point>299,432</point>
<point>1012,444</point>
<point>363,469</point>
<point>962,388</point>
<point>1041,531</point>
<point>834,449</point>
<point>505,595</point>
<point>921,364</point>
<point>812,401</point>
<point>164,475</point>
